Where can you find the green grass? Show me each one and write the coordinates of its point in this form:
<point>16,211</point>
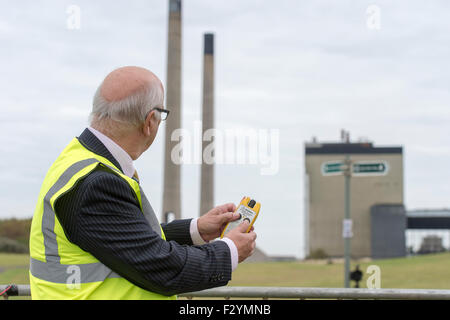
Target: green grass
<point>419,272</point>
<point>14,268</point>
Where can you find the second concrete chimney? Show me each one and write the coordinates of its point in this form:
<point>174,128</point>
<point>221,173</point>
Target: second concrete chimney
<point>207,170</point>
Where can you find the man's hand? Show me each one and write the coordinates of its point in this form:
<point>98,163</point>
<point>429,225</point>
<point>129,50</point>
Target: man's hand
<point>211,225</point>
<point>245,242</point>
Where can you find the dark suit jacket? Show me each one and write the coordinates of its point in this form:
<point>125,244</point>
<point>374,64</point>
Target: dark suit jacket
<point>102,217</point>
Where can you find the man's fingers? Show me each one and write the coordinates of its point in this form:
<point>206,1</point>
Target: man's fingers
<point>243,226</point>
<point>229,216</point>
<point>224,218</point>
<point>224,208</point>
<point>227,207</point>
<point>234,216</point>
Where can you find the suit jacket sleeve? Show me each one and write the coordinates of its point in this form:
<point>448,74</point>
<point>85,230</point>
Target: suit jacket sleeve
<point>102,217</point>
<point>178,230</point>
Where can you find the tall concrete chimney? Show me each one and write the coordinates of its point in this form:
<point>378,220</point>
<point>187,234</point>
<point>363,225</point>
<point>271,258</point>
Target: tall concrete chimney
<point>172,193</point>
<point>207,171</point>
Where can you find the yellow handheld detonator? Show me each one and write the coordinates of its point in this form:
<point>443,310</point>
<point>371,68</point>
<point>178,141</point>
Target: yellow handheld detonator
<point>248,209</point>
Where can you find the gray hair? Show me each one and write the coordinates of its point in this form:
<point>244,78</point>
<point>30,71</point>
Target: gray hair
<point>130,110</point>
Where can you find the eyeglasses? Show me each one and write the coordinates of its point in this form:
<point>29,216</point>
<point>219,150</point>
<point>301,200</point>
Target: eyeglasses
<point>164,112</point>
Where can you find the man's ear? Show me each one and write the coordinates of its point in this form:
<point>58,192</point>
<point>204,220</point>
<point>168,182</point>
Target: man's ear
<point>149,122</point>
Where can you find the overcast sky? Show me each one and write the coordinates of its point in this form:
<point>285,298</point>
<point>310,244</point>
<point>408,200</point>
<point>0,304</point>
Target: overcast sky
<point>304,68</point>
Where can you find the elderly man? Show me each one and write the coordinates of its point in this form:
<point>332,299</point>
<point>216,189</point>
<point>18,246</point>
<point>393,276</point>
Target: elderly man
<point>94,234</point>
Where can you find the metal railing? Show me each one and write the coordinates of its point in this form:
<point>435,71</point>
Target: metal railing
<point>289,293</point>
<point>14,290</point>
<point>320,293</point>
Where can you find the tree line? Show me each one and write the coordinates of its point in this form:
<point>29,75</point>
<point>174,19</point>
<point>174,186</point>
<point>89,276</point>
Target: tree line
<point>15,235</point>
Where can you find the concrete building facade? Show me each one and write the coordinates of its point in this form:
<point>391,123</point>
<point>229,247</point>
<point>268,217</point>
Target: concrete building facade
<point>325,194</point>
<point>388,225</point>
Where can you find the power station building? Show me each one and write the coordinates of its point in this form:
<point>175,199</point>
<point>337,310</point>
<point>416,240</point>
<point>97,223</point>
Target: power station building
<point>377,223</point>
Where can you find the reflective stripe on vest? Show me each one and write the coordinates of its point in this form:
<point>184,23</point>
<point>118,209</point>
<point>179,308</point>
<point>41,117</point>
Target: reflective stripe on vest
<point>52,270</point>
<point>48,217</point>
<point>59,273</point>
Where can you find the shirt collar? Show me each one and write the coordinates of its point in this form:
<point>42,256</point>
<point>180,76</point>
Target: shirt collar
<point>117,152</point>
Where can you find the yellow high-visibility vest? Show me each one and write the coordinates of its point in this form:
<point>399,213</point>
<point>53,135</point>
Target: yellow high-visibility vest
<point>60,269</point>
